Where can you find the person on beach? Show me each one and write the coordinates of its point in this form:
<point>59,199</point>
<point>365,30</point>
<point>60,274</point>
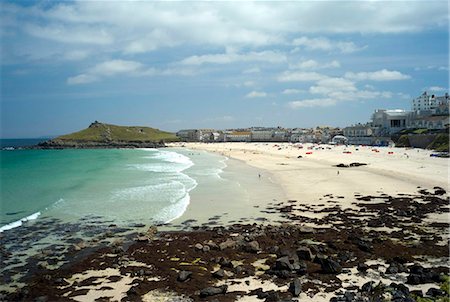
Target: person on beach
<point>259,176</point>
<point>338,172</point>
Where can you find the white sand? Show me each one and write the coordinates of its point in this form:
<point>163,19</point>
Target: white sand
<point>308,178</point>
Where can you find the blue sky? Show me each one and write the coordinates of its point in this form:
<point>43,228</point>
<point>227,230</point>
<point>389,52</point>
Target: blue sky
<point>174,65</point>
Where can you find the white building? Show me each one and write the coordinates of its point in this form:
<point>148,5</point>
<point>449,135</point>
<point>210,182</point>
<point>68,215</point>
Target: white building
<point>390,121</point>
<point>429,102</point>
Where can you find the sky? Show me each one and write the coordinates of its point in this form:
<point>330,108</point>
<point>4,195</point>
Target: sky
<point>179,65</point>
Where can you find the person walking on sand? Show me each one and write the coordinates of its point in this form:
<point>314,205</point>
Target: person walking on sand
<point>259,176</point>
<point>338,172</point>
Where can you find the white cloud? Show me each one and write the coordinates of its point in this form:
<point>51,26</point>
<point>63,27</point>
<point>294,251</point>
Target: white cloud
<point>314,65</point>
<point>227,58</point>
<point>309,103</point>
<point>380,75</point>
<point>70,34</point>
<point>333,90</point>
<point>125,68</point>
<point>299,76</point>
<point>330,85</point>
<point>134,27</point>
<point>437,89</point>
<point>256,94</point>
<point>326,44</point>
<point>251,70</point>
<point>114,67</point>
<point>292,91</point>
<point>81,79</point>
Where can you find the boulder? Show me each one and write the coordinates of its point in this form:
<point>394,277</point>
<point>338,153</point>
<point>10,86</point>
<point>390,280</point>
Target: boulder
<point>283,263</point>
<point>295,287</point>
<point>252,247</point>
<point>227,244</point>
<point>330,266</point>
<point>362,267</point>
<point>142,239</point>
<point>220,273</point>
<point>436,292</point>
<point>199,246</point>
<point>213,290</point>
<point>304,253</point>
<point>184,275</point>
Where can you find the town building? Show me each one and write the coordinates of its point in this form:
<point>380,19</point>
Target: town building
<point>429,102</point>
<point>388,122</point>
<point>237,136</point>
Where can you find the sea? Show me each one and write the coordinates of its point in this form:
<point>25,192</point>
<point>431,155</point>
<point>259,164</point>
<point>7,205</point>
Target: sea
<point>124,186</point>
<point>53,202</point>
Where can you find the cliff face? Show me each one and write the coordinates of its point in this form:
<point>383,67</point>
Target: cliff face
<point>100,135</point>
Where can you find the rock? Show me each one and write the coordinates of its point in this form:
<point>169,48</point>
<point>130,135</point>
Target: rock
<point>345,256</point>
<point>272,297</point>
<point>274,249</point>
<point>362,267</point>
<point>367,287</point>
<point>330,266</point>
<point>220,273</point>
<point>439,191</point>
<point>295,287</point>
<point>283,263</point>
<point>227,244</point>
<point>395,268</point>
<point>421,275</point>
<point>198,246</point>
<point>206,248</point>
<point>152,231</point>
<point>184,275</point>
<point>225,262</point>
<point>306,230</point>
<point>252,247</point>
<point>142,239</point>
<point>364,246</point>
<point>260,294</point>
<point>213,290</point>
<point>435,292</point>
<point>238,270</point>
<point>79,246</point>
<point>304,253</point>
<point>319,259</point>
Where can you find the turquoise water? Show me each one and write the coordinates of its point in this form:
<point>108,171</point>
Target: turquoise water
<point>126,186</point>
<point>123,185</point>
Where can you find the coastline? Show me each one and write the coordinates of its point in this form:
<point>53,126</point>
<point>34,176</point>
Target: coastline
<point>304,178</point>
<point>212,205</point>
<point>363,232</point>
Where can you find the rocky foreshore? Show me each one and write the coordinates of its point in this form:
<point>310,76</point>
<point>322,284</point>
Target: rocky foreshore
<point>386,249</point>
<point>72,144</point>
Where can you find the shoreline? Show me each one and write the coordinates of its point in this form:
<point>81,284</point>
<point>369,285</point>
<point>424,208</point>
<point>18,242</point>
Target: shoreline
<point>230,207</point>
<point>358,233</point>
<point>302,178</point>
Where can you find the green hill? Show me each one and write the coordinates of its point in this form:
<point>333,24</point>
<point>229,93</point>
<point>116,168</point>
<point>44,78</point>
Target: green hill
<point>99,132</point>
<point>99,135</point>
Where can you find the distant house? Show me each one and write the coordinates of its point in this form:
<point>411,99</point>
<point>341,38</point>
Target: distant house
<point>359,134</point>
<point>339,140</point>
<point>237,136</point>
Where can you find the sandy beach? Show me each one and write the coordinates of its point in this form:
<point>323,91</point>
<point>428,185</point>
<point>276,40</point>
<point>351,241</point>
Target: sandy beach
<point>307,179</point>
<point>350,223</point>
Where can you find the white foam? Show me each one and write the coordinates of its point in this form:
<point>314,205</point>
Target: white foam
<point>18,223</point>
